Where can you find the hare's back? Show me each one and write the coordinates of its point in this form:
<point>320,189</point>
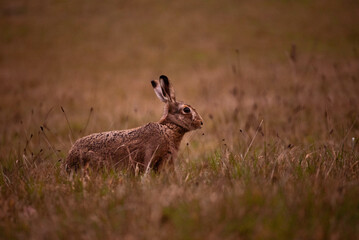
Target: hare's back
<point>99,140</point>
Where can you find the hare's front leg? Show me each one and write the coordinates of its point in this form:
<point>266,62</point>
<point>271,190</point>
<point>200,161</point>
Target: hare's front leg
<point>164,162</point>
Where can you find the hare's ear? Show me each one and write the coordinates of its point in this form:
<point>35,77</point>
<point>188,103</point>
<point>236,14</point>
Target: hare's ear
<point>159,91</point>
<point>167,88</point>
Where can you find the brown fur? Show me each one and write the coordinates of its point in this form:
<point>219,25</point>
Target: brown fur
<point>153,145</point>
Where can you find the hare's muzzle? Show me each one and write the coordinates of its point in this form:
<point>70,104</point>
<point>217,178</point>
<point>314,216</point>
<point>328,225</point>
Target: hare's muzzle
<point>198,123</point>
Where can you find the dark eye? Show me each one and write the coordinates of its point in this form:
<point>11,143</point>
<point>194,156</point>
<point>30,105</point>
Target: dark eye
<point>186,110</point>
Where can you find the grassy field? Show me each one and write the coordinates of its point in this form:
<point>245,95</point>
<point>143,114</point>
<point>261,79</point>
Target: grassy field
<point>276,82</point>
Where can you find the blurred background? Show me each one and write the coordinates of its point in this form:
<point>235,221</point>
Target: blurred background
<point>292,63</point>
<point>276,82</point>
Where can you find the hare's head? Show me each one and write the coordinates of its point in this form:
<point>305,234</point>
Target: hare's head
<point>175,112</point>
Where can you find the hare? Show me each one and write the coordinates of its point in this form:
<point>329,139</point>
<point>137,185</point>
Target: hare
<point>151,146</point>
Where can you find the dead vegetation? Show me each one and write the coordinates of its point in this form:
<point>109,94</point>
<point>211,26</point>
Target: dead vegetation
<point>277,86</point>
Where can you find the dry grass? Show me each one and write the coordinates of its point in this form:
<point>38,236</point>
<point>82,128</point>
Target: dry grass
<point>278,157</point>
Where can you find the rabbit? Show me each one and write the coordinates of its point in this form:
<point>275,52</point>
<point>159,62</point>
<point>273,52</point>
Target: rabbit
<point>152,146</point>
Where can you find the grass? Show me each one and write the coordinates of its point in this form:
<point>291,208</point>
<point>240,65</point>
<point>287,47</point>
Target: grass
<point>278,157</point>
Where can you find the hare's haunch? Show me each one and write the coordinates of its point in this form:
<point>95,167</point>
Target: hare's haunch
<point>153,145</point>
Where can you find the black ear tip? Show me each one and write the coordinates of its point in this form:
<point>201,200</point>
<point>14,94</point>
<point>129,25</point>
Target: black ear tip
<point>154,84</point>
<point>164,78</point>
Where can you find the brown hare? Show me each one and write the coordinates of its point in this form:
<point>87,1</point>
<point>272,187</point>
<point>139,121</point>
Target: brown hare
<point>151,146</point>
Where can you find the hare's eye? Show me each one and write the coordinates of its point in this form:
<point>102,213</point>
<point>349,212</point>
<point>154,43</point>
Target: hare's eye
<point>186,110</point>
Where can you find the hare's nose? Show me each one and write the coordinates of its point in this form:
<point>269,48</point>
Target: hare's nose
<point>201,123</point>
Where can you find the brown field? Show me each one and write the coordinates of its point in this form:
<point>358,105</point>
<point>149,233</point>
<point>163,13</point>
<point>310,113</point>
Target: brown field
<point>277,83</point>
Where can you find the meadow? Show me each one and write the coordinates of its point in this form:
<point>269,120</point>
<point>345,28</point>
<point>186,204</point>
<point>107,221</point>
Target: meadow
<point>276,82</point>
